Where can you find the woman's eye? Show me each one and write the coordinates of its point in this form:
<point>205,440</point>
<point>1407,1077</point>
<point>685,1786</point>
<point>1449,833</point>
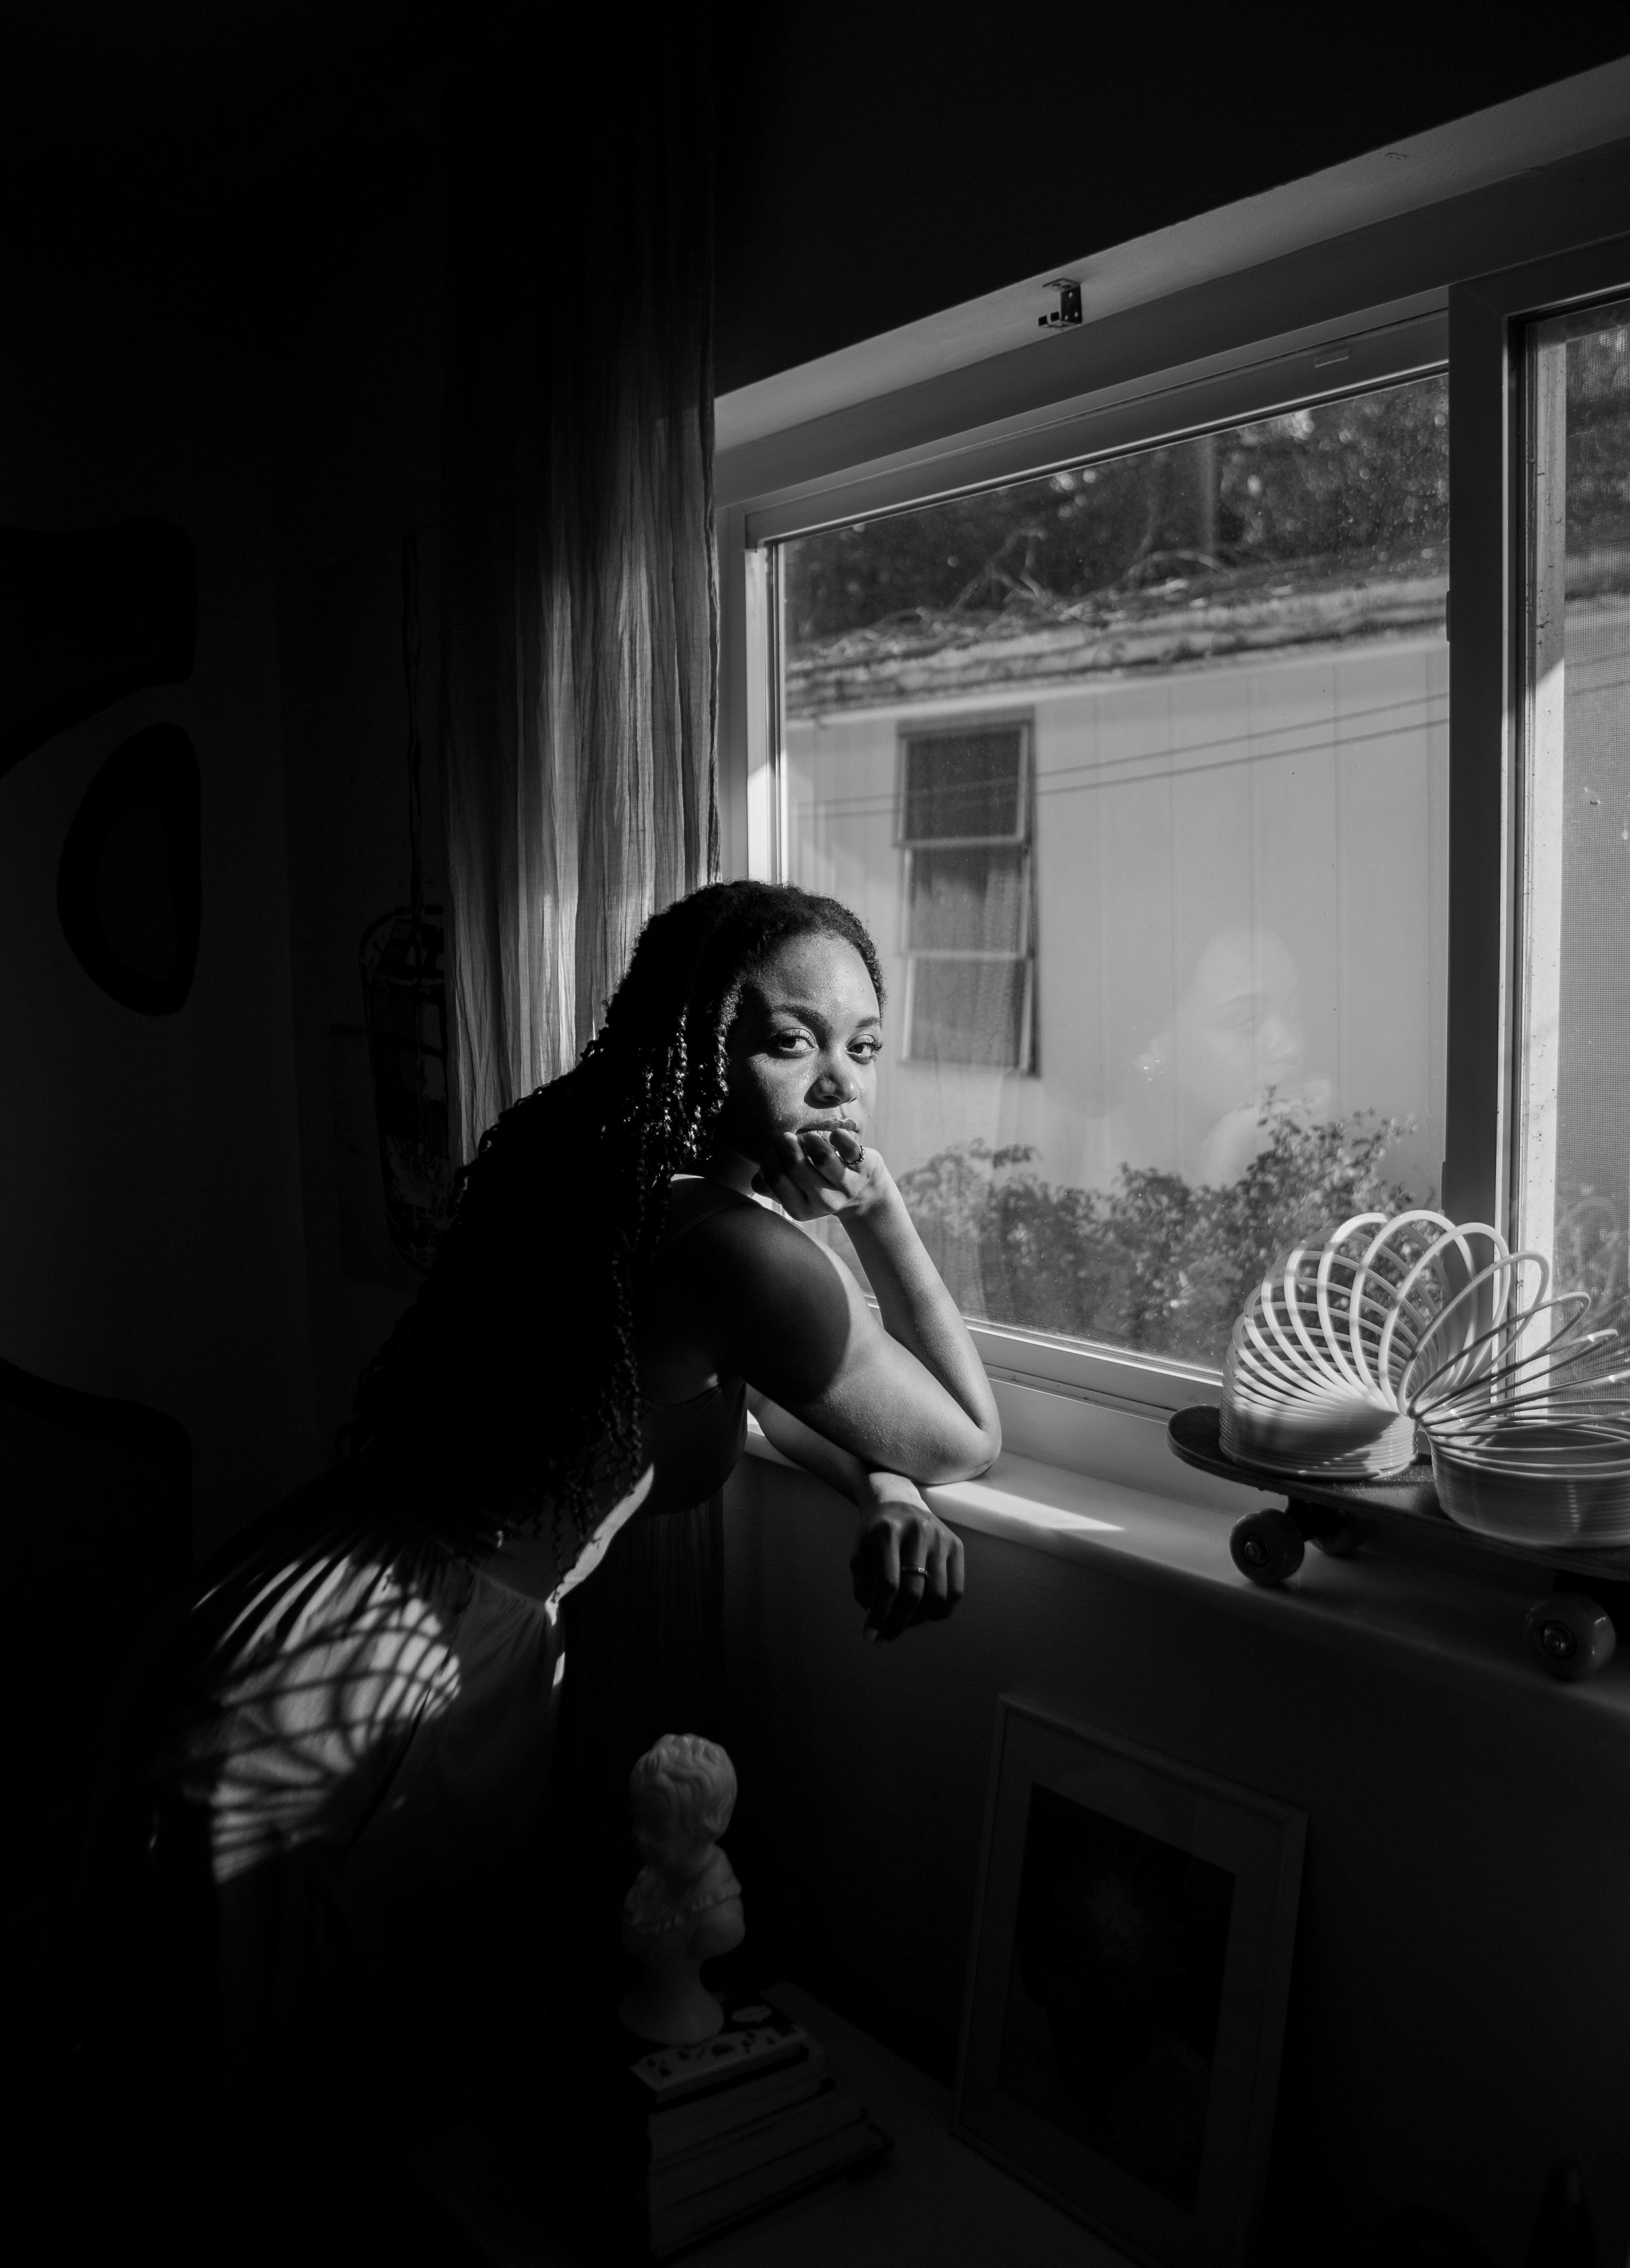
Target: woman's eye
<point>790,1043</point>
<point>866,1050</point>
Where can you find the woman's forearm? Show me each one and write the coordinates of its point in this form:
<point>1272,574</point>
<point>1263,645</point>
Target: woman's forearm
<point>864,1487</point>
<point>907,1565</point>
<point>911,1397</point>
<point>839,1469</point>
<point>916,1307</point>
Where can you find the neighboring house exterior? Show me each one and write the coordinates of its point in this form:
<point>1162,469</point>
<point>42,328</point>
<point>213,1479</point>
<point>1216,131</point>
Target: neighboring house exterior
<point>1132,867</point>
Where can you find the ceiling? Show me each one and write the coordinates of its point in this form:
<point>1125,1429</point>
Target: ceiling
<point>872,173</point>
<point>876,160</point>
<point>76,69</point>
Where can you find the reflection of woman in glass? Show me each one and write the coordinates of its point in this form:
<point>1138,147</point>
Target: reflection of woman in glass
<point>1234,1043</point>
<point>304,1909</point>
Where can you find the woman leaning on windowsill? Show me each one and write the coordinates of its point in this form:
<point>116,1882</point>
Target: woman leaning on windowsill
<point>309,1912</point>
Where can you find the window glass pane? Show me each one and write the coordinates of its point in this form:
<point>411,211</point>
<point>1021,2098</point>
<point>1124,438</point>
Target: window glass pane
<point>961,784</point>
<point>970,900</point>
<point>967,1011</point>
<point>1230,814</point>
<point>1574,1125</point>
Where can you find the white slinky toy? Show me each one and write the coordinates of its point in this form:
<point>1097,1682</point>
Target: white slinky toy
<point>1411,1334</point>
<point>1395,1329</point>
<point>1321,1365</point>
<point>1539,1453</point>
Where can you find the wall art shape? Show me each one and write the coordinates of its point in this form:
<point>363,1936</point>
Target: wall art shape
<point>128,892</point>
<point>86,618</point>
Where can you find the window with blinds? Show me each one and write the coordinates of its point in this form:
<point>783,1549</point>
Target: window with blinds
<point>964,836</point>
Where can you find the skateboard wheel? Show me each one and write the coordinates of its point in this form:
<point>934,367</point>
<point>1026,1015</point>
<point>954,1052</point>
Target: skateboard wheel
<point>1341,1543</point>
<point>1266,1546</point>
<point>1572,1635</point>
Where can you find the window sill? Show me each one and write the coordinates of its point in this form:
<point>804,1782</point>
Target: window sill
<point>1461,1622</point>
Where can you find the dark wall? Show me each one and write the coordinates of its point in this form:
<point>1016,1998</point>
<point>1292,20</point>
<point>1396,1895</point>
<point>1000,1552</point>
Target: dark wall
<point>149,1242</point>
<point>357,441</point>
<point>222,306</point>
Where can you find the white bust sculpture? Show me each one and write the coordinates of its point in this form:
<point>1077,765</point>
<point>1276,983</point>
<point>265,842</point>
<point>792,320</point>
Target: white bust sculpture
<point>685,1905</point>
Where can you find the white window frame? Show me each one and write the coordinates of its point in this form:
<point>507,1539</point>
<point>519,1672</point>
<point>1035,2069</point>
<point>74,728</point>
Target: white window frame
<point>1489,805</point>
<point>1329,287</point>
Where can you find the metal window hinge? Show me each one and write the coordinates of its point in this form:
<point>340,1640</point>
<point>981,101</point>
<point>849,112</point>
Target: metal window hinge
<point>1068,316</point>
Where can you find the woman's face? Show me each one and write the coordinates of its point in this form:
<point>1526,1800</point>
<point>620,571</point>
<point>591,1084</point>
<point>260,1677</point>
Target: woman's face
<point>804,1046</point>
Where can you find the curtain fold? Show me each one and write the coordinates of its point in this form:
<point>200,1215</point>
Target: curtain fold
<point>579,582</point>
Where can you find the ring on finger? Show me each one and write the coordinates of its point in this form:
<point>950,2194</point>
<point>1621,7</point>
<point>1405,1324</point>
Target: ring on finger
<point>915,1570</point>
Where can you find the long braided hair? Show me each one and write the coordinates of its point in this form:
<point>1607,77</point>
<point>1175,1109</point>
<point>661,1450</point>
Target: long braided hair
<point>521,1344</point>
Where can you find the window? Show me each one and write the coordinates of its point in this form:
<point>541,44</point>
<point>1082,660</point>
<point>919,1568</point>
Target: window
<point>1220,950</point>
<point>964,836</point>
<point>1314,909</point>
<point>1573,1115</point>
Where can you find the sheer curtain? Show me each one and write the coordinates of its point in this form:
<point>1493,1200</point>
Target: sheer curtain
<point>580,625</point>
<point>580,593</point>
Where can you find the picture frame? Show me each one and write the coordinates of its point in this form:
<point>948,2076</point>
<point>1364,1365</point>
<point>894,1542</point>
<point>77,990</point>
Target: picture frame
<point>1124,2011</point>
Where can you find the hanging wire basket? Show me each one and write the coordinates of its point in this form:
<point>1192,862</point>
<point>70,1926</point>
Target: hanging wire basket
<point>404,996</point>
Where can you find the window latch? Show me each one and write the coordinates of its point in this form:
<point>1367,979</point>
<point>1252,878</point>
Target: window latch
<point>1067,314</point>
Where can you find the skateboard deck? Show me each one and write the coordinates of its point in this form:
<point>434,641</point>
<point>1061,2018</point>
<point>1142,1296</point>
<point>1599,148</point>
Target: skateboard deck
<point>1409,1496</point>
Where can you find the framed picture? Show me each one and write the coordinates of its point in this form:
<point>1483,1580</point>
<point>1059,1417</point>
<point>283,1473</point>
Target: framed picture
<point>1132,1939</point>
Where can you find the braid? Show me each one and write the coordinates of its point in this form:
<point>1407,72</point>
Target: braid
<point>523,1335</point>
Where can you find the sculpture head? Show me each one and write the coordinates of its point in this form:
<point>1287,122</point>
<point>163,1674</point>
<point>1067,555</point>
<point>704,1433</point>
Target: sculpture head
<point>681,1794</point>
<point>685,1907</point>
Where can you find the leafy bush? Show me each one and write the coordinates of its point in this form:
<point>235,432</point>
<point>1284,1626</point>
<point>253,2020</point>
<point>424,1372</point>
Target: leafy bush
<point>1590,1255</point>
<point>1154,1263</point>
<point>1361,482</point>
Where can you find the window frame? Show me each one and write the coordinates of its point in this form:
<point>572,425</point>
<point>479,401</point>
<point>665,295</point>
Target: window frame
<point>1309,328</point>
<point>1489,319</point>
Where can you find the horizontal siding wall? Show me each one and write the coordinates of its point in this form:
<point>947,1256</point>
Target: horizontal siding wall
<point>1301,798</point>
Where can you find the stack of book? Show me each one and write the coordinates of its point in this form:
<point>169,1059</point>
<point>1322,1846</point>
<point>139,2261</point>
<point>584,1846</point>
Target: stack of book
<point>701,2136</point>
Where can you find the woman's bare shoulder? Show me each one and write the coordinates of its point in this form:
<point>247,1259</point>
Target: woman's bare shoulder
<point>738,1231</point>
<point>763,1291</point>
<point>692,1199</point>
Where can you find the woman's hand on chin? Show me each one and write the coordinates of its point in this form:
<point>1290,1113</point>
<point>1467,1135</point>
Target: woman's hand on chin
<point>907,1565</point>
<point>819,1174</point>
